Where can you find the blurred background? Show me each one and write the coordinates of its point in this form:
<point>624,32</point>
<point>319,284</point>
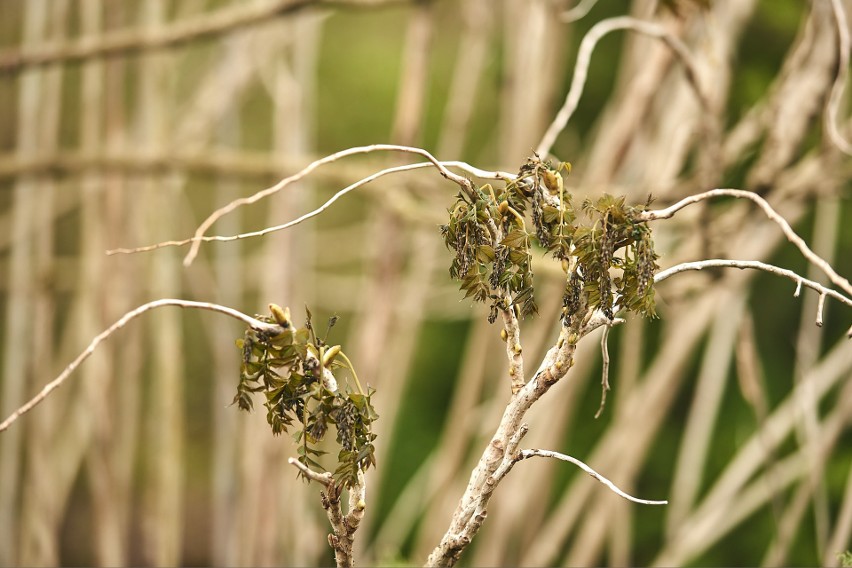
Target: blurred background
<point>126,123</point>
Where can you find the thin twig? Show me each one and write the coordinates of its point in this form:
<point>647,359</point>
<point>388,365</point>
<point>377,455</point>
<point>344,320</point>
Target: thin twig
<point>325,478</point>
<point>57,382</point>
<point>832,109</point>
<point>199,237</point>
<point>753,264</point>
<point>578,12</point>
<point>224,21</point>
<point>820,309</point>
<point>770,212</point>
<point>525,454</point>
<point>604,369</point>
<point>581,69</point>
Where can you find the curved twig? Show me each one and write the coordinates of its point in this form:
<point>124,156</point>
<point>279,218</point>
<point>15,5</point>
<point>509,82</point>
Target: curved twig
<point>756,265</point>
<point>526,454</point>
<point>578,12</point>
<point>199,237</point>
<point>773,215</point>
<point>57,382</point>
<point>461,165</point>
<point>581,69</point>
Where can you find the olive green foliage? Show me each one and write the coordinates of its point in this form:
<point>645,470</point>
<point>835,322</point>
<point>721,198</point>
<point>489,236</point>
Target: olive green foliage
<point>292,369</point>
<point>845,559</point>
<point>492,245</point>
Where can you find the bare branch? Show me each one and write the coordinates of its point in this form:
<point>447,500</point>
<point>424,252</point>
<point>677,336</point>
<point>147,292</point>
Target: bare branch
<point>753,264</point>
<point>584,56</point>
<point>225,21</point>
<point>579,11</point>
<point>604,369</point>
<point>771,213</point>
<point>343,526</point>
<point>820,309</point>
<point>832,109</point>
<point>324,478</point>
<point>514,353</point>
<point>199,237</point>
<point>526,454</point>
<point>57,382</point>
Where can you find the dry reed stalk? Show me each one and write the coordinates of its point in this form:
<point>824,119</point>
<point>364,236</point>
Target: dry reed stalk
<point>40,498</point>
<point>163,511</point>
<point>712,520</point>
<point>534,38</point>
<point>109,540</point>
<point>378,317</point>
<point>293,90</point>
<point>228,268</point>
<point>477,26</point>
<point>705,408</point>
<point>843,525</point>
<point>20,301</point>
<point>826,226</point>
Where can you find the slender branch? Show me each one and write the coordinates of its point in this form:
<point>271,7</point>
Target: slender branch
<point>224,21</point>
<point>604,369</point>
<point>832,109</point>
<point>325,478</point>
<point>771,213</point>
<point>581,69</point>
<point>578,12</point>
<point>126,318</point>
<point>199,237</point>
<point>756,265</point>
<point>343,526</point>
<point>526,454</point>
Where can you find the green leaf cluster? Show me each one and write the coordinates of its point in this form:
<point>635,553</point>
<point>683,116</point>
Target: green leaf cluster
<point>288,369</point>
<point>606,250</point>
<point>492,249</point>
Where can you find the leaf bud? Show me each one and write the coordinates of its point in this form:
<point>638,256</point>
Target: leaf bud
<point>282,316</point>
<point>504,335</point>
<point>552,180</point>
<point>329,355</point>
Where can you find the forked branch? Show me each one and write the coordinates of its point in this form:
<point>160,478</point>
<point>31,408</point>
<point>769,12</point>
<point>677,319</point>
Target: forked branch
<point>773,215</point>
<point>343,526</point>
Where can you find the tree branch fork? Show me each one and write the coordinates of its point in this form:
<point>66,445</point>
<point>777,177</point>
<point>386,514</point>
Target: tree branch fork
<point>502,453</point>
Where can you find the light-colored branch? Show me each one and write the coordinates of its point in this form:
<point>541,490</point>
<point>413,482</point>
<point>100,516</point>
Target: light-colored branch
<point>581,69</point>
<point>198,238</point>
<point>513,349</point>
<point>255,324</point>
<point>324,478</point>
<point>578,12</point>
<point>770,212</point>
<point>224,21</point>
<point>526,454</point>
<point>604,369</point>
<point>343,526</point>
<point>752,264</point>
<point>832,109</point>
